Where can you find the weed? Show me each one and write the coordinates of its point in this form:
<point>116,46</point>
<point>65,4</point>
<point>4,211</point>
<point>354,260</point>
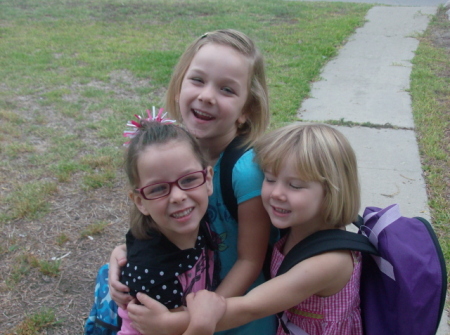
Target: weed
<point>49,268</point>
<point>97,179</point>
<point>61,239</point>
<point>35,323</point>
<point>14,149</point>
<point>94,229</point>
<point>29,199</point>
<point>343,122</point>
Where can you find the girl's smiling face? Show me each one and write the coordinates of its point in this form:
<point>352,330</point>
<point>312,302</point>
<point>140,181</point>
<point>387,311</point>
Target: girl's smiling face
<point>214,91</point>
<point>292,202</point>
<point>178,214</point>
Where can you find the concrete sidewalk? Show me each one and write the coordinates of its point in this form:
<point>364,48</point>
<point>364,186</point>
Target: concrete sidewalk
<point>368,82</point>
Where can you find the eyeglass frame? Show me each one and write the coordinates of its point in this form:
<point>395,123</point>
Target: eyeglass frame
<point>141,190</point>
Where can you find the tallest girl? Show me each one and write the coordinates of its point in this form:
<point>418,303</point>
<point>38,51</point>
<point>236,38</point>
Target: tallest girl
<point>218,92</point>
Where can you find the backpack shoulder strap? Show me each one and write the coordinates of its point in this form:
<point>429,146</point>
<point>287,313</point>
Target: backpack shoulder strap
<point>324,241</point>
<point>230,156</point>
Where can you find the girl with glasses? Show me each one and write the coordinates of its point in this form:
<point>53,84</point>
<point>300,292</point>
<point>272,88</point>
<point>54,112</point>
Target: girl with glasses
<point>170,248</point>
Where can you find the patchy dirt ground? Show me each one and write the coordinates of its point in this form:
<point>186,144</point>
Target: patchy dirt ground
<point>72,209</point>
<point>70,294</point>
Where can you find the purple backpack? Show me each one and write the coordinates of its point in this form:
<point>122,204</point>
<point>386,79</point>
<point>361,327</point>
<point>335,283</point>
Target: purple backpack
<point>404,277</point>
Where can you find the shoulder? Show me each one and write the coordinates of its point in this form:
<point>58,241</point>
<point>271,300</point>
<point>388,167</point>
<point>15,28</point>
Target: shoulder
<point>247,164</point>
<point>247,178</point>
<point>330,271</point>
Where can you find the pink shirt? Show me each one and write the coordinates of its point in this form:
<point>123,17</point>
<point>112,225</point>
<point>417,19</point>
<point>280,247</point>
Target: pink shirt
<point>334,315</point>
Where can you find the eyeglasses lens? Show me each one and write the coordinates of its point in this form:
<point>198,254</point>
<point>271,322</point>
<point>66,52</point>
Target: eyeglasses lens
<point>187,182</point>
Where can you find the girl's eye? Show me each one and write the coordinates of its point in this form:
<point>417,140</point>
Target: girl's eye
<point>197,80</point>
<point>156,190</point>
<point>269,179</point>
<point>228,90</point>
<point>296,186</point>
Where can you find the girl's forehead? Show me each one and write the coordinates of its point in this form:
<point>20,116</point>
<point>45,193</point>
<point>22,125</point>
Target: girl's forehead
<point>224,54</point>
<point>167,160</point>
<point>289,166</point>
<point>168,148</point>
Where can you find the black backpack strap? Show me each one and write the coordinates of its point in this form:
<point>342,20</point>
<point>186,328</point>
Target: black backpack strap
<point>230,156</point>
<point>324,241</point>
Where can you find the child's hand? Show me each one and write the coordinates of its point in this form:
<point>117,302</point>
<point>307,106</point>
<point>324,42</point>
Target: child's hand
<point>117,290</point>
<point>153,318</point>
<point>205,310</point>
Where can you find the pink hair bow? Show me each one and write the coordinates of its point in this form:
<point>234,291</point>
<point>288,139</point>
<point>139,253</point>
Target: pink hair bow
<point>160,117</point>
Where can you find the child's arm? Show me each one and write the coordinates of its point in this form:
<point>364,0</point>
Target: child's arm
<point>253,239</point>
<point>323,275</point>
<point>117,290</point>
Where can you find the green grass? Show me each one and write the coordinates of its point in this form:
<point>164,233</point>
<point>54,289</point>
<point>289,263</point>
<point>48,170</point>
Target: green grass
<point>34,324</point>
<point>430,90</point>
<point>94,229</point>
<point>29,199</point>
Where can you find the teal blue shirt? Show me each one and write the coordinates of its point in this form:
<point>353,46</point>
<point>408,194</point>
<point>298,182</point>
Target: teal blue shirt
<point>247,180</point>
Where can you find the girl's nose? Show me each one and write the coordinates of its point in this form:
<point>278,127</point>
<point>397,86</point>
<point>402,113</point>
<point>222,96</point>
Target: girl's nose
<point>177,194</point>
<point>277,192</point>
<point>207,95</point>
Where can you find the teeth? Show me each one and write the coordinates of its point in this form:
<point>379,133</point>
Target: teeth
<point>280,210</point>
<point>183,213</point>
<point>202,115</point>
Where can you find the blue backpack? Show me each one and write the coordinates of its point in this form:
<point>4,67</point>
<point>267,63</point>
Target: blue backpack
<point>103,318</point>
<point>403,279</point>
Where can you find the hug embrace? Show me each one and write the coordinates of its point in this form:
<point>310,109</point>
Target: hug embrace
<point>189,266</point>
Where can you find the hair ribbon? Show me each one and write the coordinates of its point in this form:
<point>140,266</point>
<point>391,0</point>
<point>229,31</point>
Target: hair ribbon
<point>135,126</point>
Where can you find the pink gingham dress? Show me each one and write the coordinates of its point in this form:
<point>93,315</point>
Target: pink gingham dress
<point>338,314</point>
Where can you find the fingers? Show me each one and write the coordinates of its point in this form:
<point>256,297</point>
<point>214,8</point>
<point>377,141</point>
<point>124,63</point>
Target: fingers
<point>118,290</point>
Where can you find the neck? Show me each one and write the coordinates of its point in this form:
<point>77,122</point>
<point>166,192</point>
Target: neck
<point>185,241</point>
<point>213,147</point>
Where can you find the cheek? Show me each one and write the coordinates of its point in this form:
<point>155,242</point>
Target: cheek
<point>265,193</point>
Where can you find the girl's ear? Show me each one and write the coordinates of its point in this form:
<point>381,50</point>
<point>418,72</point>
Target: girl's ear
<point>209,181</point>
<point>241,119</point>
<point>138,201</point>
